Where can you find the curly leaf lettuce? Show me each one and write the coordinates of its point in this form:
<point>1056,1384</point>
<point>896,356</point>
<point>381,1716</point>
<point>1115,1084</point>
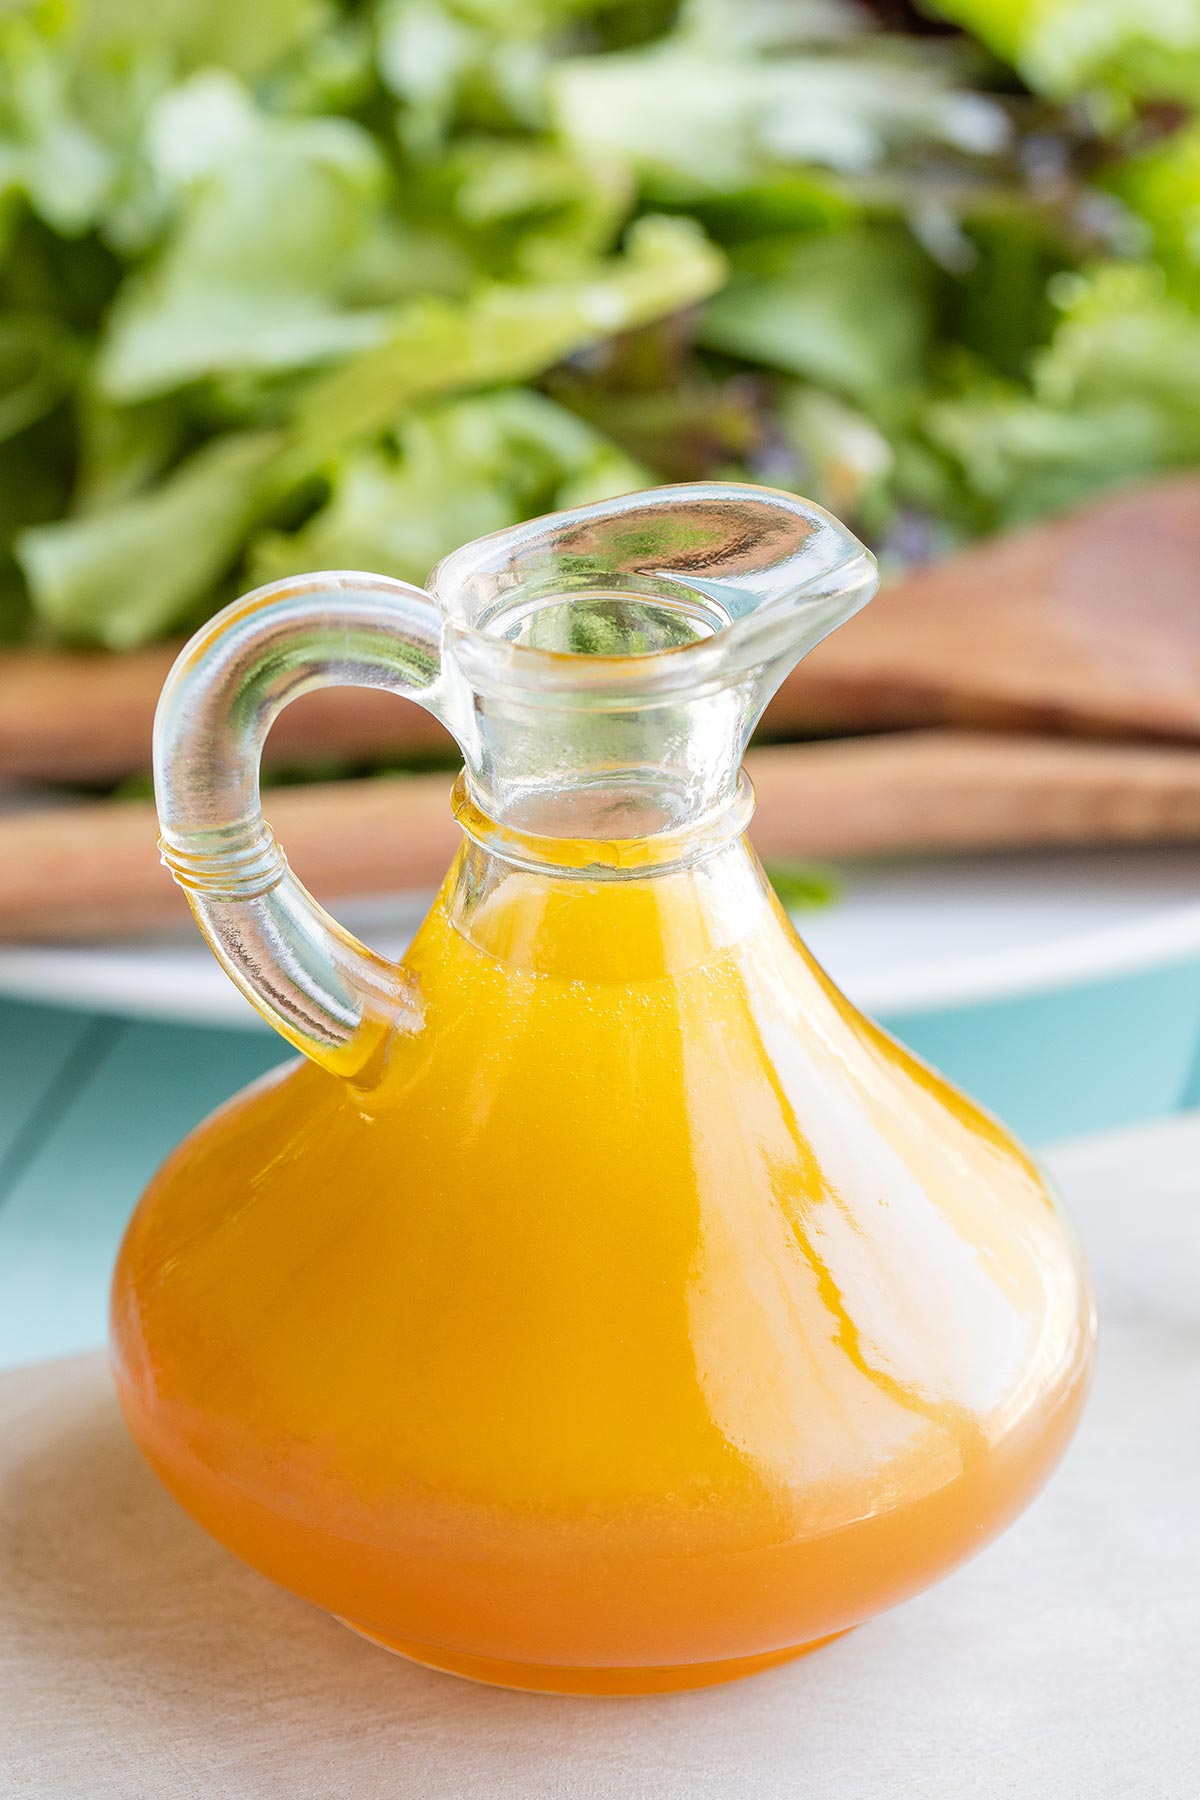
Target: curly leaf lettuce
<point>1162,186</point>
<point>263,269</point>
<point>36,369</point>
<point>533,209</point>
<point>506,333</point>
<point>193,34</point>
<point>126,572</point>
<point>456,471</point>
<point>1115,395</point>
<point>278,220</point>
<point>62,141</point>
<point>852,309</point>
<point>695,124</point>
<point>78,81</point>
<point>123,574</point>
<point>1127,48</point>
<point>446,59</point>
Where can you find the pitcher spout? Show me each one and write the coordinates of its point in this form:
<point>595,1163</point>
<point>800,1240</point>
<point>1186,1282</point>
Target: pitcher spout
<point>604,667</point>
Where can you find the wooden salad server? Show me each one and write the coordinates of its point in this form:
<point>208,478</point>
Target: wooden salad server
<point>92,871</point>
<point>1086,624</point>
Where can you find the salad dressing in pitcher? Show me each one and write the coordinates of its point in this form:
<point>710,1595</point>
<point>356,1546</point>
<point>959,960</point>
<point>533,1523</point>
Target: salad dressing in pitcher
<point>605,1306</point>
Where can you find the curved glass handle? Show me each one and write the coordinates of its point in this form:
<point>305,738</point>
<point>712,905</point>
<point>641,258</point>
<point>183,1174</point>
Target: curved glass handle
<point>315,983</point>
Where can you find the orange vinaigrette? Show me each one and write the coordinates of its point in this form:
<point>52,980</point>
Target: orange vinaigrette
<point>604,1306</point>
<point>654,1314</point>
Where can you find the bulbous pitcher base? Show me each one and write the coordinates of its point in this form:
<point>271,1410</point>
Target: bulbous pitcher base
<point>615,1684</point>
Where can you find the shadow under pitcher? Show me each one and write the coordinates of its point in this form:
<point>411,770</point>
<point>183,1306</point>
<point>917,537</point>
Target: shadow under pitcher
<point>600,1304</point>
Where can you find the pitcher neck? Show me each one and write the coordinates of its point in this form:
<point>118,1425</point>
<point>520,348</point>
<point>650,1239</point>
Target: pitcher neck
<point>583,776</point>
<point>624,839</point>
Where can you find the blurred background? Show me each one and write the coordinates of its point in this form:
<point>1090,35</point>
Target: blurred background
<point>300,284</point>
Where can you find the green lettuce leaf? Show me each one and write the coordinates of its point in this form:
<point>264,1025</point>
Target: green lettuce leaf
<point>534,209</point>
<point>194,34</point>
<point>277,222</point>
<point>1115,396</point>
<point>725,26</point>
<point>36,367</point>
<point>77,83</point>
<point>1125,337</point>
<point>457,471</point>
<point>1162,186</point>
<point>843,460</point>
<point>851,309</point>
<point>446,60</point>
<point>1022,458</point>
<point>62,139</point>
<point>1127,48</point>
<point>696,121</point>
<point>123,574</point>
<point>505,333</point>
<point>804,887</point>
<point>122,449</point>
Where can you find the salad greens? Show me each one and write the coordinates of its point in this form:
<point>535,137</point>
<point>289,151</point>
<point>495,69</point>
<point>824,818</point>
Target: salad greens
<point>804,887</point>
<point>347,282</point>
<point>1125,50</point>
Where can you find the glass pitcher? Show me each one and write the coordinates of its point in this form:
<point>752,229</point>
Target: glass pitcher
<point>601,1304</point>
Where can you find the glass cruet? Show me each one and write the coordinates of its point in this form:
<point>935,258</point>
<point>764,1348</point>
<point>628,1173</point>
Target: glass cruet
<point>600,1304</point>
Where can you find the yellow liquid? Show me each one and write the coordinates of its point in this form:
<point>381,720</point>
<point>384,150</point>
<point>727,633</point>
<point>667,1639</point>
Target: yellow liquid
<point>652,1316</point>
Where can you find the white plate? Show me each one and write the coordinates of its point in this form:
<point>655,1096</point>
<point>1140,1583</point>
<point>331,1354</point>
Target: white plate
<point>904,937</point>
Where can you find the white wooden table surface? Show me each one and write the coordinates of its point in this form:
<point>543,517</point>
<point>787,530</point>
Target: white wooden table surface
<point>139,1662</point>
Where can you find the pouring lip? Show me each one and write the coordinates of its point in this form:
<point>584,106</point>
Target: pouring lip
<point>788,575</point>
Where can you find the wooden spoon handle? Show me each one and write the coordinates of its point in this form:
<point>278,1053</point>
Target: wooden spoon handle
<point>921,791</point>
<point>92,871</point>
<point>87,716</point>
